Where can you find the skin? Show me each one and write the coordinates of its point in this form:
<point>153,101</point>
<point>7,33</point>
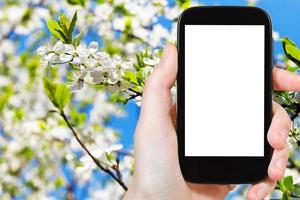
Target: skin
<point>157,173</point>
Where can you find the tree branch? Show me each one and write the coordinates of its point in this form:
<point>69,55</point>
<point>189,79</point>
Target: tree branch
<point>96,161</point>
<point>136,94</point>
<point>70,191</point>
<point>6,35</point>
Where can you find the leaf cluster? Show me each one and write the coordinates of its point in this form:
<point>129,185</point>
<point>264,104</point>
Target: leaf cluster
<point>58,93</point>
<point>63,29</point>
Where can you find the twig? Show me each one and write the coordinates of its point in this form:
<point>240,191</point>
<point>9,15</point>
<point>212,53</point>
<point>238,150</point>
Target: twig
<point>132,36</point>
<point>136,94</point>
<point>295,107</point>
<point>6,35</point>
<point>70,190</point>
<point>295,196</point>
<point>96,161</point>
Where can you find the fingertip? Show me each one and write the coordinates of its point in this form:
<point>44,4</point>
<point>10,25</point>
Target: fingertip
<point>251,195</point>
<point>279,128</point>
<point>278,164</point>
<point>164,74</point>
<point>276,173</point>
<point>157,94</point>
<point>277,141</point>
<point>168,65</point>
<point>285,80</point>
<point>261,190</point>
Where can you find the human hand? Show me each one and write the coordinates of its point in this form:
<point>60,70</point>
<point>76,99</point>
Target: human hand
<point>157,172</point>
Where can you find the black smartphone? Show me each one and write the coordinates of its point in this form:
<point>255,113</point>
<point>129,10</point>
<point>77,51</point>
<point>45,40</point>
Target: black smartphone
<point>224,94</point>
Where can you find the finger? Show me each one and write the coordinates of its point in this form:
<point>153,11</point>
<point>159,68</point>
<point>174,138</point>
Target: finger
<point>280,126</point>
<point>261,190</point>
<point>278,164</point>
<point>155,140</point>
<point>157,101</point>
<point>174,114</point>
<point>285,80</point>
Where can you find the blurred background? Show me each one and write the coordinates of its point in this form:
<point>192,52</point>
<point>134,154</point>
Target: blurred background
<point>39,156</point>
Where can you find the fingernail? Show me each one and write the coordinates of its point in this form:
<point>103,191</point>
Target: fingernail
<point>279,164</point>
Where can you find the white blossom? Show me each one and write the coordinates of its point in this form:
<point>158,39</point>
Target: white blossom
<point>151,61</point>
<point>77,81</point>
<point>93,47</point>
<point>114,148</point>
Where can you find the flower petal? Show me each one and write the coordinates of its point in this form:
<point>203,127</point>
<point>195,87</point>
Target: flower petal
<point>149,61</point>
<point>65,58</point>
<point>93,47</point>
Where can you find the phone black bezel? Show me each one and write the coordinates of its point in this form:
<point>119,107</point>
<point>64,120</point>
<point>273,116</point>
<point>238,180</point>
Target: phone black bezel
<point>224,170</point>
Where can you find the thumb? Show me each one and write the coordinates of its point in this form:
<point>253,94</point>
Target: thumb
<point>157,98</point>
<point>155,141</point>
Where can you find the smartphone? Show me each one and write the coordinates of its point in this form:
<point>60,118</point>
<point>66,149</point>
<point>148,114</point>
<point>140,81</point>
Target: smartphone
<point>224,94</point>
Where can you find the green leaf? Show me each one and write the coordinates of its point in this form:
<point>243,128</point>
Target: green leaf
<point>121,9</point>
<point>128,24</point>
<point>140,77</point>
<point>82,2</point>
<point>6,93</point>
<point>77,39</point>
<point>78,118</point>
<point>58,94</point>
<point>139,58</point>
<point>100,1</point>
<point>138,89</point>
<point>111,48</point>
<point>19,113</point>
<point>59,182</point>
<point>136,66</point>
<point>26,153</point>
<point>62,96</point>
<point>3,101</point>
<point>285,196</point>
<point>31,185</point>
<point>296,190</point>
<point>64,23</point>
<point>77,2</point>
<point>50,89</point>
<point>288,41</point>
<point>54,28</point>
<point>159,53</point>
<point>109,156</point>
<point>72,25</point>
<point>118,98</point>
<point>291,50</point>
<point>288,183</point>
<point>64,37</point>
<point>184,3</point>
<point>292,68</point>
<point>131,77</point>
<point>26,15</point>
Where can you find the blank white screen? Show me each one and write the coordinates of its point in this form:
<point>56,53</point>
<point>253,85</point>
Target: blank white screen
<point>224,90</point>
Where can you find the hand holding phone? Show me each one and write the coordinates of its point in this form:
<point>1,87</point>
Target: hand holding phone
<point>157,173</point>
